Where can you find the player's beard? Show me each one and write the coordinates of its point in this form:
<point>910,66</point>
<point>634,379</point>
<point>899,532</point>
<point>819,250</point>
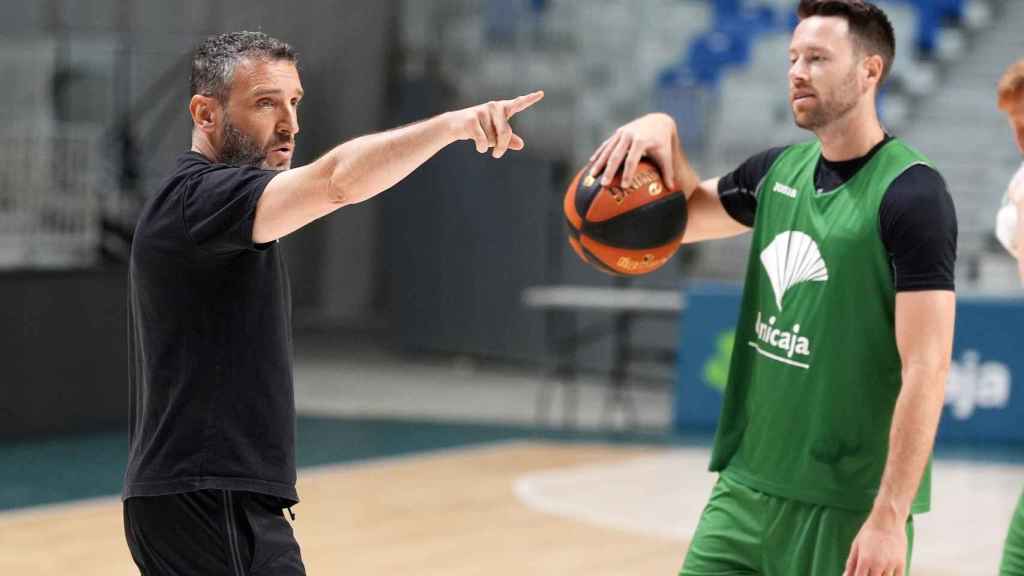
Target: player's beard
<point>840,101</point>
<point>239,149</point>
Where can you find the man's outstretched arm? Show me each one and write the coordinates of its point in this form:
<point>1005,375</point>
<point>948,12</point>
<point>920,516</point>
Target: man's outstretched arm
<point>366,166</point>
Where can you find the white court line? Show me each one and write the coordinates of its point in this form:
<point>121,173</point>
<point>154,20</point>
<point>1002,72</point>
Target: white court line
<point>640,495</point>
<point>663,495</point>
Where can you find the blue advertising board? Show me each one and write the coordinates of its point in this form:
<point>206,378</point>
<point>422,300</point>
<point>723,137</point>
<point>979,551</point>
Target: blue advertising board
<point>988,351</point>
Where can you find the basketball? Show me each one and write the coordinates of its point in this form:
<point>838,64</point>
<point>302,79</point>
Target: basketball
<point>625,230</point>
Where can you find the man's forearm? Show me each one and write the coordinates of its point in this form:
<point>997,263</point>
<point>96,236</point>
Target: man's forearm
<point>706,217</point>
<point>911,438</point>
<point>366,166</point>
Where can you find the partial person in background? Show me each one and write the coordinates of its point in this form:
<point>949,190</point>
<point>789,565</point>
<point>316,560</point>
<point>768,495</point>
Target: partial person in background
<point>211,464</point>
<point>1011,235</point>
<point>845,331</point>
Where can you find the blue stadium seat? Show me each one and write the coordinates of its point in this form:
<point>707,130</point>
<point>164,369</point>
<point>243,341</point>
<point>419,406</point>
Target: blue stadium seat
<point>750,20</point>
<point>931,14</point>
<point>710,53</point>
<point>735,27</point>
<point>726,7</point>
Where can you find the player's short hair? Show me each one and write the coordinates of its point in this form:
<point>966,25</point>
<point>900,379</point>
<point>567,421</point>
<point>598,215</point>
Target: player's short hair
<point>215,59</point>
<point>1011,85</point>
<point>869,25</point>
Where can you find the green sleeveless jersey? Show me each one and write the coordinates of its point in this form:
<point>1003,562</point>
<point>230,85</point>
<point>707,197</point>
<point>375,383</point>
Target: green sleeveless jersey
<point>815,371</point>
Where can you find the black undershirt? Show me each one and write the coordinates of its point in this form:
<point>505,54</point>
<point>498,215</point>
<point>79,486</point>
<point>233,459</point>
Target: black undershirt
<point>917,219</point>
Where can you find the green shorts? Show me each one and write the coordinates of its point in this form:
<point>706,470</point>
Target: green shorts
<point>1013,548</point>
<point>746,532</point>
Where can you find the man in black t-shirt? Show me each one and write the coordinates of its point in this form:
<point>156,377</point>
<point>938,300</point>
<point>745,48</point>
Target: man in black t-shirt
<point>212,461</point>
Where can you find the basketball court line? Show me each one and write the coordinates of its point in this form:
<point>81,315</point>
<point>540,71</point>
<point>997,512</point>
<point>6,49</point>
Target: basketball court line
<point>662,495</point>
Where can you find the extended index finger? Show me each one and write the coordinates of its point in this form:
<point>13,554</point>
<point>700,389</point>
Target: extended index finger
<point>521,103</point>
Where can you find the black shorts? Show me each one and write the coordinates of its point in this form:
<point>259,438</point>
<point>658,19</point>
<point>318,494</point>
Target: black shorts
<point>211,532</point>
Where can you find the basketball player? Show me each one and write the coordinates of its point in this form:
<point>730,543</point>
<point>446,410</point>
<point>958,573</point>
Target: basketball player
<point>845,332</point>
<point>1011,234</point>
<point>212,462</point>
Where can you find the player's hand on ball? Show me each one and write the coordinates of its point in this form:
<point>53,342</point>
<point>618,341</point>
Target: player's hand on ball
<point>652,136</point>
<point>487,124</point>
<point>880,549</point>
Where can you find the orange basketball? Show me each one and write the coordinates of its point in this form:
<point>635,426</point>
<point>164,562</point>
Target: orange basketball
<point>627,231</point>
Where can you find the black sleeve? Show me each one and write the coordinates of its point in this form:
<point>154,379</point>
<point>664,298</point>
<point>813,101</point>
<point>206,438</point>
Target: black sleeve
<point>917,220</point>
<point>220,206</point>
<point>738,189</point>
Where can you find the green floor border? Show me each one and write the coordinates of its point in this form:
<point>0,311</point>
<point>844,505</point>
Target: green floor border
<point>78,467</point>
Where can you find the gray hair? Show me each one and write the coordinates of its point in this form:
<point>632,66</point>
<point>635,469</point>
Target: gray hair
<point>215,59</point>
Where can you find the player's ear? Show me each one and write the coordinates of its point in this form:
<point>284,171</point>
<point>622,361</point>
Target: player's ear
<point>872,69</point>
<point>205,112</point>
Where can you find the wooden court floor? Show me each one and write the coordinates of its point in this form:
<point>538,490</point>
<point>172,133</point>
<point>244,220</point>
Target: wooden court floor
<point>450,512</point>
<point>455,512</point>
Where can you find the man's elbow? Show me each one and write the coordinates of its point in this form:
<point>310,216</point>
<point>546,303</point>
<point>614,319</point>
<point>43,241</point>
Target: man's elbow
<point>338,191</point>
<point>334,176</point>
<point>932,373</point>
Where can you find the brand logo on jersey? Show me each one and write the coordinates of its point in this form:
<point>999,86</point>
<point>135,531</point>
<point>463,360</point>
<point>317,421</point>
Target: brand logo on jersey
<point>792,258</point>
<point>783,189</point>
<point>974,384</point>
<point>780,344</point>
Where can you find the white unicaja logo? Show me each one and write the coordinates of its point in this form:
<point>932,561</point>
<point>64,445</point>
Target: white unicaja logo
<point>790,259</point>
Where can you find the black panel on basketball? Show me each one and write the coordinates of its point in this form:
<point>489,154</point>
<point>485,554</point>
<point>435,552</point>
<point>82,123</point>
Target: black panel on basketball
<point>643,227</point>
<point>585,194</point>
<point>599,264</point>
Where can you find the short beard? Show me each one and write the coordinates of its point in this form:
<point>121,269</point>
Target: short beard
<point>239,149</point>
<point>828,112</point>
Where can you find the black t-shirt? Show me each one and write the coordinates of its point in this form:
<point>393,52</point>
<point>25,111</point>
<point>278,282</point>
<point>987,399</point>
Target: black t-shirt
<point>212,401</point>
<point>917,220</point>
